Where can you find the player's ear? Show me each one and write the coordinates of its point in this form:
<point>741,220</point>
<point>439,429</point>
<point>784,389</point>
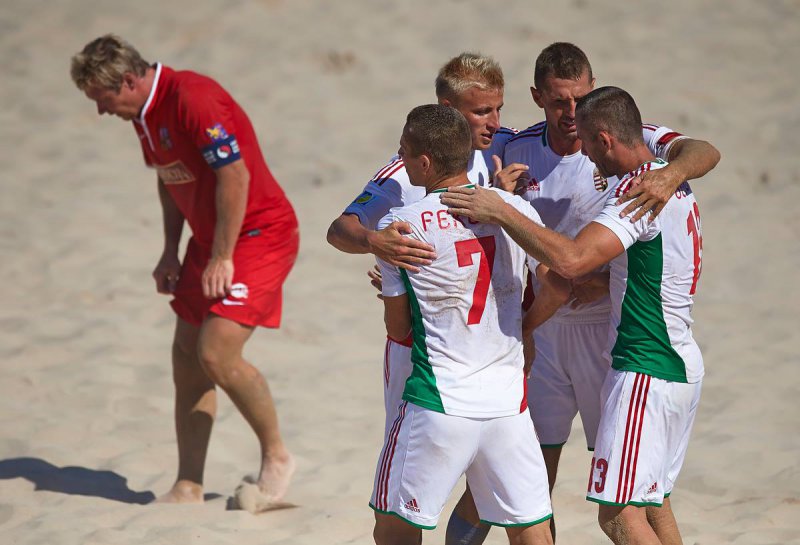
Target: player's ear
<point>605,138</point>
<point>425,162</point>
<point>537,97</point>
<point>129,80</point>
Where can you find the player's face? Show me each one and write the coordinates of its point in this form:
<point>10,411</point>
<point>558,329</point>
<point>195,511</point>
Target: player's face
<point>123,103</point>
<point>414,166</point>
<point>593,147</point>
<point>557,98</point>
<point>481,108</point>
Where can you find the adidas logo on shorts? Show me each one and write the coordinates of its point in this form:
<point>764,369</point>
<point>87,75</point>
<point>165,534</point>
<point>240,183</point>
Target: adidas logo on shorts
<point>653,488</point>
<point>411,505</point>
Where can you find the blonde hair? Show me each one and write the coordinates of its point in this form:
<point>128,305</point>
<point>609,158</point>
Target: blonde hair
<point>104,61</point>
<point>468,70</point>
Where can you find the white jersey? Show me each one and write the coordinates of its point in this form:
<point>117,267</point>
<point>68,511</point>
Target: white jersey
<point>390,186</point>
<point>653,283</point>
<point>466,312</point>
<point>568,192</point>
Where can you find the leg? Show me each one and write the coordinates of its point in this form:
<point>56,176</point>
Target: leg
<point>195,409</point>
<point>538,534</point>
<point>627,525</point>
<point>220,347</point>
<point>465,526</point>
<point>551,457</point>
<point>663,522</point>
<point>390,530</point>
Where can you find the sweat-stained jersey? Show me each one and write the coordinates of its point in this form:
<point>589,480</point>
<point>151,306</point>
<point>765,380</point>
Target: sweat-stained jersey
<point>466,313</point>
<point>653,283</point>
<point>191,126</point>
<point>568,192</point>
<point>390,186</point>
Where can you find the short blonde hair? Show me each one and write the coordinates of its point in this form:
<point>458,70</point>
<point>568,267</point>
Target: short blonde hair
<point>104,61</point>
<point>468,70</point>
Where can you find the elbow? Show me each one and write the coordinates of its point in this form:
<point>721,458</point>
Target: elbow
<point>570,267</point>
<point>331,236</point>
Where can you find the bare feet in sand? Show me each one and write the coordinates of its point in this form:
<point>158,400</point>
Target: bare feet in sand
<point>182,492</point>
<point>267,492</point>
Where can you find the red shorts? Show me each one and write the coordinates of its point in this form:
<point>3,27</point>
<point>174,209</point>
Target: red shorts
<point>259,270</point>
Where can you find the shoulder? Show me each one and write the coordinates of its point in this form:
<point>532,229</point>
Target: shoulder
<point>532,136</point>
<point>194,88</point>
<point>393,170</point>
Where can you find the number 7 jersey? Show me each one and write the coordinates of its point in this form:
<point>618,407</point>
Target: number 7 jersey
<point>466,311</point>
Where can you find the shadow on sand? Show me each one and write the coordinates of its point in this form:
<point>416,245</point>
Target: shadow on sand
<point>73,480</point>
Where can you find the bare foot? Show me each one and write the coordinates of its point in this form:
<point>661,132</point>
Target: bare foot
<point>182,492</point>
<point>265,493</point>
<point>275,476</point>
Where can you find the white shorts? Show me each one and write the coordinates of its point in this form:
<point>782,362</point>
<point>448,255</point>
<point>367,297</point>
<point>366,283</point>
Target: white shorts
<point>566,378</point>
<point>642,440</point>
<point>396,370</point>
<point>426,452</point>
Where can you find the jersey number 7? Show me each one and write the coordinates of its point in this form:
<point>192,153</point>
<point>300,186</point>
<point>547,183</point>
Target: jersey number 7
<point>465,249</point>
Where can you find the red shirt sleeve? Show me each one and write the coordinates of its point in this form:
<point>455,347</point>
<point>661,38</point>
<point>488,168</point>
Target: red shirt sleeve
<point>206,114</point>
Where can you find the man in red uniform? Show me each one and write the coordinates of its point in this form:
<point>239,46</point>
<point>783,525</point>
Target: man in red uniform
<point>244,242</point>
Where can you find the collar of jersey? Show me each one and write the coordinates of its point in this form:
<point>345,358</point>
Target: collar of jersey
<point>468,186</point>
<point>152,94</point>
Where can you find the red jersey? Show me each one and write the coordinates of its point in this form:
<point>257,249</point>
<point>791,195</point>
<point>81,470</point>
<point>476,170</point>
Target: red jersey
<point>190,126</point>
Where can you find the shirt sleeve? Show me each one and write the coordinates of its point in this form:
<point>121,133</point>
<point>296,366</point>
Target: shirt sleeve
<point>628,233</point>
<point>391,281</point>
<point>206,113</point>
<point>660,139</point>
<point>382,193</point>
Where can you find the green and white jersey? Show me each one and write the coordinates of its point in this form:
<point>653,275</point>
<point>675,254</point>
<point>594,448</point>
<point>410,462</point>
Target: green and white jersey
<point>465,312</point>
<point>652,285</point>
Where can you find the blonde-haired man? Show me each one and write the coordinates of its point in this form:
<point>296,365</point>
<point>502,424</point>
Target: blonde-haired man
<point>211,175</point>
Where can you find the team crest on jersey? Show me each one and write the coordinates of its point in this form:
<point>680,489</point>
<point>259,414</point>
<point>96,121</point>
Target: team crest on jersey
<point>217,132</point>
<point>164,139</point>
<point>364,198</point>
<point>600,183</point>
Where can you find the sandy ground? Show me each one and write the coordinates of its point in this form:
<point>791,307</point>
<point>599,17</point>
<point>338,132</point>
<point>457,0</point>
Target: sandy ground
<point>86,397</point>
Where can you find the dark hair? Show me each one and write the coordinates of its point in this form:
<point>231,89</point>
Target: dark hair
<point>612,110</point>
<point>562,60</point>
<point>442,133</point>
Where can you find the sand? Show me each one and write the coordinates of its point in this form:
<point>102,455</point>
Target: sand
<point>86,434</point>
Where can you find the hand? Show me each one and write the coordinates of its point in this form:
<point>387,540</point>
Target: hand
<point>217,277</point>
<point>390,245</point>
<point>478,204</point>
<point>589,288</point>
<point>650,192</point>
<point>166,273</point>
<point>528,351</point>
<point>376,279</point>
<point>513,178</point>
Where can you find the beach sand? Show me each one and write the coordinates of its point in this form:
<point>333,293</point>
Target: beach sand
<point>86,433</point>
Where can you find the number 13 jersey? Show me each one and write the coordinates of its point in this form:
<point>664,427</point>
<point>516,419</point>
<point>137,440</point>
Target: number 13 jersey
<point>466,312</point>
<point>653,283</point>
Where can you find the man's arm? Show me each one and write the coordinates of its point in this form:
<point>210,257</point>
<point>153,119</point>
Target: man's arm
<point>397,316</point>
<point>233,182</point>
<point>348,235</point>
<point>169,266</point>
<point>595,245</point>
<point>688,159</point>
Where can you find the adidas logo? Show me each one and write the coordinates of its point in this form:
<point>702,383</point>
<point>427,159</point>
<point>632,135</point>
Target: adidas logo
<point>411,505</point>
<point>653,488</point>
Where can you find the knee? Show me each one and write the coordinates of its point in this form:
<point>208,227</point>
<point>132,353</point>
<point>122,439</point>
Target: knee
<point>610,521</point>
<point>215,363</point>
